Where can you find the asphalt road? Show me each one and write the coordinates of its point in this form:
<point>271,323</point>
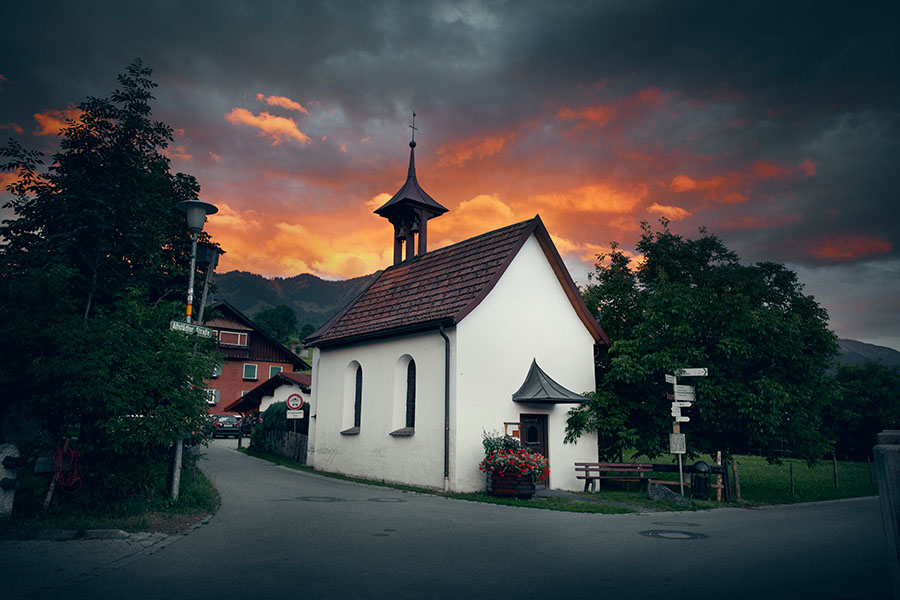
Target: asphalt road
<point>283,533</point>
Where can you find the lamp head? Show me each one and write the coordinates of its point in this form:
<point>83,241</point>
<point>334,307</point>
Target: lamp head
<point>196,213</point>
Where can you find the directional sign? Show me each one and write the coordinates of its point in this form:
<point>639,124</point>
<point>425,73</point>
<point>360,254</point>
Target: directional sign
<point>681,405</point>
<point>684,389</point>
<point>676,412</point>
<point>685,397</point>
<point>191,328</point>
<point>680,419</point>
<point>670,378</point>
<point>703,372</point>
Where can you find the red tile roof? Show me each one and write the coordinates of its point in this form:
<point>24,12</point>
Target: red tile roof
<point>441,287</point>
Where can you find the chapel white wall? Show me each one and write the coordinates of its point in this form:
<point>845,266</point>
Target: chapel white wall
<point>526,316</point>
<point>373,453</point>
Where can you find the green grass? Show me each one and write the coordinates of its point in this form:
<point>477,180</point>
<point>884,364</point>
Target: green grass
<point>762,483</point>
<point>197,498</point>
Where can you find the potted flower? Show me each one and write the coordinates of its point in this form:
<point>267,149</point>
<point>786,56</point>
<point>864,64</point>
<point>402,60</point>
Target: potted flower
<point>511,470</point>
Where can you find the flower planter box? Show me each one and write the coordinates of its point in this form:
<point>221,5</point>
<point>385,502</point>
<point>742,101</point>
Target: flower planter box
<point>510,485</point>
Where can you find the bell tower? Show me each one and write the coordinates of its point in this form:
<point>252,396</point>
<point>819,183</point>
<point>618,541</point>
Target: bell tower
<point>409,211</point>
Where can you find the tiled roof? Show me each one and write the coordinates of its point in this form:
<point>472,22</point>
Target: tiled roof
<point>435,287</point>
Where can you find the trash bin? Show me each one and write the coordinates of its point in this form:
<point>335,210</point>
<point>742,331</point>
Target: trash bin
<point>700,474</point>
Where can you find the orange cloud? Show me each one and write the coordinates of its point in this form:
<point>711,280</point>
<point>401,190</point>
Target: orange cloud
<point>271,126</point>
<point>851,247</point>
<point>7,179</point>
<point>282,102</point>
<point>51,122</point>
<point>597,116</point>
<point>215,157</point>
<point>595,198</point>
<point>12,126</point>
<point>178,152</point>
<point>734,186</point>
<point>459,153</point>
<point>292,244</point>
<point>673,213</point>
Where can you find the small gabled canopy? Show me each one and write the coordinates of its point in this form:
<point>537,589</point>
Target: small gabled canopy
<point>539,388</point>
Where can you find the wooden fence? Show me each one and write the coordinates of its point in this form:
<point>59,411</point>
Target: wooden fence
<point>287,443</point>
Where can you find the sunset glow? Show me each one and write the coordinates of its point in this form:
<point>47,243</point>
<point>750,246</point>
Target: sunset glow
<point>755,123</point>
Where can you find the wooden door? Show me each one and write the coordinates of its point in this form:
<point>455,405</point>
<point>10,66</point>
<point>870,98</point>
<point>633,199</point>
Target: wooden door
<point>533,435</point>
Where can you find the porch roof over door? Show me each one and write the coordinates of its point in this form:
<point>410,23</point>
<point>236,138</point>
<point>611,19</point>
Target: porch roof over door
<point>540,388</point>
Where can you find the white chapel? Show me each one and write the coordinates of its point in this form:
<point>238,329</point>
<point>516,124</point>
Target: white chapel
<point>486,335</point>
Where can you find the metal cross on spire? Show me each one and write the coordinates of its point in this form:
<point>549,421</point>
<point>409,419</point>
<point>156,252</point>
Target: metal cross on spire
<point>413,127</point>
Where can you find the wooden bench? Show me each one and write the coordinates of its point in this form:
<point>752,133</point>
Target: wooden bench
<point>595,472</point>
<point>598,471</point>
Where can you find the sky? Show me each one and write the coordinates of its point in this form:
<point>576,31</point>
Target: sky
<point>775,125</point>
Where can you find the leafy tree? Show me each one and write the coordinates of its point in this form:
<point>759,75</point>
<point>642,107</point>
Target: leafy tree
<point>279,322</point>
<point>870,404</point>
<point>93,267</point>
<point>691,303</point>
<point>307,330</point>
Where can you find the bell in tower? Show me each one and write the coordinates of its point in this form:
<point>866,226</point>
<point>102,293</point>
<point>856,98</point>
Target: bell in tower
<point>409,211</point>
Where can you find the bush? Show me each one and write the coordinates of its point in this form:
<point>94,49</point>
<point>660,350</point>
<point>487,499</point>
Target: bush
<point>275,417</point>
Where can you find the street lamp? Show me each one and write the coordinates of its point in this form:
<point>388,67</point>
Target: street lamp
<point>196,216</point>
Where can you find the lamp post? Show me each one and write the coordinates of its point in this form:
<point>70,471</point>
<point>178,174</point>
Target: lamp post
<point>196,216</point>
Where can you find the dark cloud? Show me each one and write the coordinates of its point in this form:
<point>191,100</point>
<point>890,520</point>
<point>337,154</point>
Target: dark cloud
<point>780,119</point>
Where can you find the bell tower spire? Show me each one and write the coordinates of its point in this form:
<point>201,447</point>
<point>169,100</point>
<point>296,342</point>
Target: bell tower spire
<point>409,211</point>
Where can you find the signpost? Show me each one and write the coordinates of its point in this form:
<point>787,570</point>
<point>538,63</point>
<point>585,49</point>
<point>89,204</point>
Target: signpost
<point>682,396</point>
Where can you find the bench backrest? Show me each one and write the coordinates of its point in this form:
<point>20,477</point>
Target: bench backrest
<point>607,467</point>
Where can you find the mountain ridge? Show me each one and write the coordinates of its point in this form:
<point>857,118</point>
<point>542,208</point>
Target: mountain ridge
<point>315,300</point>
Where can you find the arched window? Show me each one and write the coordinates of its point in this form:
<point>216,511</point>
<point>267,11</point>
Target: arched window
<point>357,402</point>
<point>411,394</point>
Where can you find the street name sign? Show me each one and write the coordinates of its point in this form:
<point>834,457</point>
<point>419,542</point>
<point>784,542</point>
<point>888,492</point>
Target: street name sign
<point>703,372</point>
<point>191,328</point>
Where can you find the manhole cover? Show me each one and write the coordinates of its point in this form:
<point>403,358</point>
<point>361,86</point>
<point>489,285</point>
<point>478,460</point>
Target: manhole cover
<point>319,499</point>
<point>670,534</point>
<point>675,524</point>
<point>386,500</point>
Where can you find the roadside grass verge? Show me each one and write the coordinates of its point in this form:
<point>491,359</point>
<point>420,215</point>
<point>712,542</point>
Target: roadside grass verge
<point>761,484</point>
<point>197,498</point>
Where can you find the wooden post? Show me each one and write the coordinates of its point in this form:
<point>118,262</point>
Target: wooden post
<point>719,477</point>
<point>834,466</point>
<point>737,481</point>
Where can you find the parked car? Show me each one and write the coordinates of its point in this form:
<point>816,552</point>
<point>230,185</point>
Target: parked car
<point>226,426</point>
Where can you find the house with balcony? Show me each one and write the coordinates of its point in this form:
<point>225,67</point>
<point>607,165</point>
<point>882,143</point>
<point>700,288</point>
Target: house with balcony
<point>250,357</point>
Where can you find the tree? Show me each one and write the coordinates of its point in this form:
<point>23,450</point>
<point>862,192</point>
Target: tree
<point>93,267</point>
<point>691,303</point>
<point>870,403</point>
<point>279,322</point>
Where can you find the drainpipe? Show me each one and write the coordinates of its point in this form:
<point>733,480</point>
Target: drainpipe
<point>446,408</point>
